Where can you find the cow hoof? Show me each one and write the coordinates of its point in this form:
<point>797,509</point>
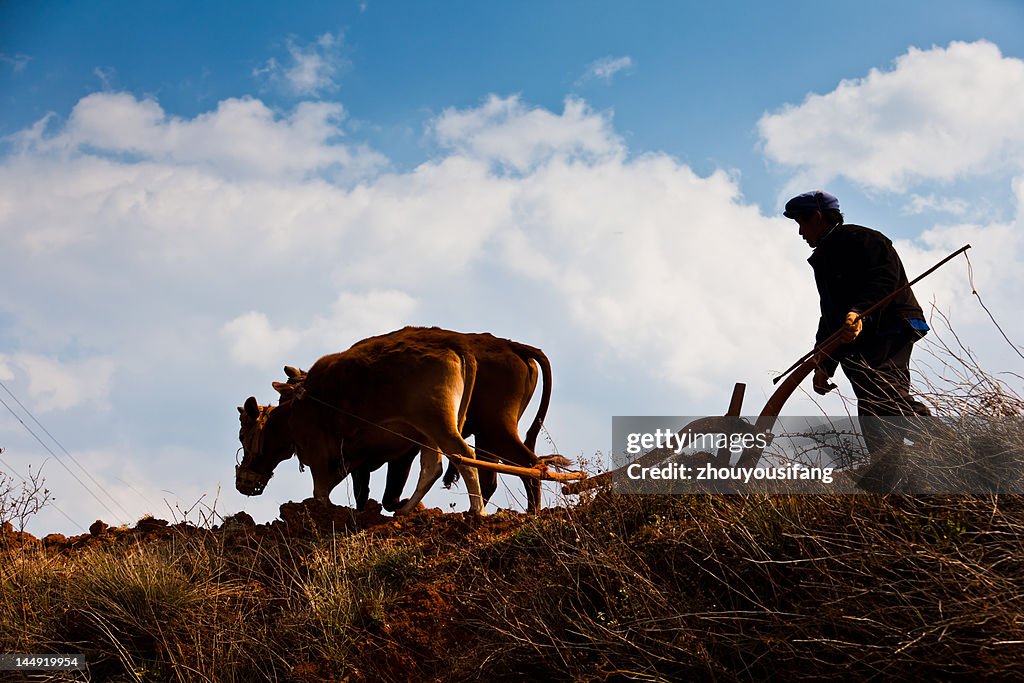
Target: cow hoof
<point>406,509</point>
<point>394,505</point>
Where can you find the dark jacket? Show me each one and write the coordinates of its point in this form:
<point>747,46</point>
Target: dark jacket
<point>855,268</point>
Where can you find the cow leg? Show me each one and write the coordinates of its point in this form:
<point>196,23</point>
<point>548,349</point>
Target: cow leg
<point>488,484</point>
<point>430,471</point>
<point>324,482</point>
<point>488,478</point>
<point>327,478</point>
<point>327,473</point>
<point>504,443</point>
<point>452,441</point>
<point>398,474</point>
<point>532,487</point>
<point>471,475</point>
<point>361,486</point>
<point>442,430</point>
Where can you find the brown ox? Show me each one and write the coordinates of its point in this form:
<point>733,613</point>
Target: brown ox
<point>249,482</point>
<point>389,366</point>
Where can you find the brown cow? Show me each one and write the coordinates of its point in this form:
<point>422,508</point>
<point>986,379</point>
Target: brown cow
<point>398,468</point>
<point>505,381</point>
<point>389,369</point>
<point>266,437</point>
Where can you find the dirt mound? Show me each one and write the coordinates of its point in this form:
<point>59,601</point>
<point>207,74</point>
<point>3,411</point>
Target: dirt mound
<point>306,519</point>
<point>100,533</point>
<point>676,587</point>
<point>313,515</point>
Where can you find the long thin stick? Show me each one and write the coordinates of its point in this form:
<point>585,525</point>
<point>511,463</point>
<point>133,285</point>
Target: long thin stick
<point>533,472</point>
<point>874,308</point>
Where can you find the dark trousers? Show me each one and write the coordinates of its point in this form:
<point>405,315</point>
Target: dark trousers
<point>878,368</point>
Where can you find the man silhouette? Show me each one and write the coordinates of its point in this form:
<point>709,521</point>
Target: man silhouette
<point>854,268</point>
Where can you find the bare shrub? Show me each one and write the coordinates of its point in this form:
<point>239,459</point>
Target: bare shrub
<point>19,502</point>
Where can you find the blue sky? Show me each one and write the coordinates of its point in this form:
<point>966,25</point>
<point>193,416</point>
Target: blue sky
<point>198,194</point>
<point>701,74</point>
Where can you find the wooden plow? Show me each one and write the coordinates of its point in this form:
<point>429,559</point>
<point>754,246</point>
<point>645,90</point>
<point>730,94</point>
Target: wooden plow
<point>731,424</point>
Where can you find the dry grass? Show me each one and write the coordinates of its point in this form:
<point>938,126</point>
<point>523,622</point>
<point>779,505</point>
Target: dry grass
<point>754,588</point>
<point>236,603</point>
<point>623,587</point>
<point>729,588</point>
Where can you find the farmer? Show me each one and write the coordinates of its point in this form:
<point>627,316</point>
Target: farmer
<point>854,268</point>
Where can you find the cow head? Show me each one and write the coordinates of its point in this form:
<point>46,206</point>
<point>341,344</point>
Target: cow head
<point>266,442</point>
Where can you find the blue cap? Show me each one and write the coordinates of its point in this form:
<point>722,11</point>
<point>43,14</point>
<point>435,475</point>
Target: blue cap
<point>816,200</point>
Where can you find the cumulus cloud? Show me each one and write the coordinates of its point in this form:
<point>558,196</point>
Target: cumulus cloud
<point>242,137</point>
<point>606,68</point>
<point>937,114</point>
<point>657,268</point>
<point>56,385</point>
<point>651,287</point>
<point>613,245</point>
<point>629,251</point>
<point>505,131</point>
<point>311,69</point>
<point>998,251</point>
<point>254,341</point>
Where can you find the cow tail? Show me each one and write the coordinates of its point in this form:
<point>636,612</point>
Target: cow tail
<point>529,353</point>
<point>468,381</point>
<point>451,475</point>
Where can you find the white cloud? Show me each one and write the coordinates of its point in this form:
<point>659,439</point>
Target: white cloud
<point>631,252</point>
<point>505,131</point>
<point>311,69</point>
<point>55,385</point>
<point>254,341</point>
<point>643,254</point>
<point>927,203</point>
<point>938,114</point>
<point>625,250</point>
<point>651,288</point>
<point>241,138</point>
<point>606,68</point>
<point>996,255</point>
